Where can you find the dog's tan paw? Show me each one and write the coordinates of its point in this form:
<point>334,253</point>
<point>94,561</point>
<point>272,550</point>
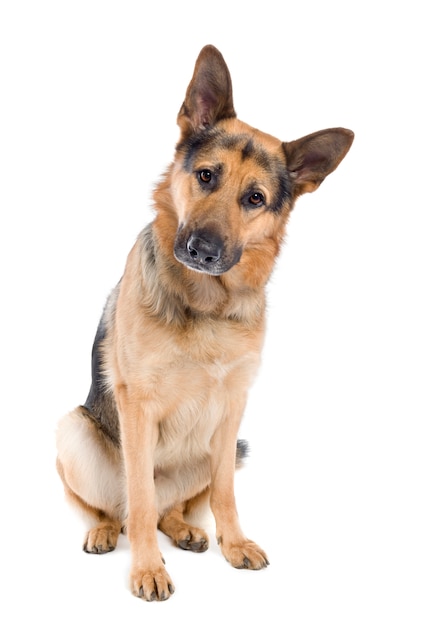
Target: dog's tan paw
<point>190,538</point>
<point>193,539</point>
<point>151,584</point>
<point>102,538</point>
<point>183,535</point>
<point>245,555</point>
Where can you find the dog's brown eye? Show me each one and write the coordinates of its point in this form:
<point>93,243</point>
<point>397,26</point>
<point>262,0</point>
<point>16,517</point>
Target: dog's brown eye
<point>205,176</point>
<point>256,199</point>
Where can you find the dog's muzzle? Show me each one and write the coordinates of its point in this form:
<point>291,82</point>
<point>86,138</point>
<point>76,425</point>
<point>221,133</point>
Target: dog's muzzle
<point>204,251</point>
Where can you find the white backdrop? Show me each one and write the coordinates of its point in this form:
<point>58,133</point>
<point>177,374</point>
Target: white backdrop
<point>335,488</point>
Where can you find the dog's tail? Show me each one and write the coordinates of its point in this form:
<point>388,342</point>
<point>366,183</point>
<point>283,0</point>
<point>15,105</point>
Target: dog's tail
<point>242,452</point>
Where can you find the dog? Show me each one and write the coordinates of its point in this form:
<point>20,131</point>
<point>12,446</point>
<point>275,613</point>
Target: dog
<point>180,337</point>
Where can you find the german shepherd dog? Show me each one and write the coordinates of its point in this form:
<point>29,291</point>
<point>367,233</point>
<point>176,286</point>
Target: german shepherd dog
<point>180,337</point>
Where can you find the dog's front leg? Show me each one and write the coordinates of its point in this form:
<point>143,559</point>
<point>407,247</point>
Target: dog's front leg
<point>237,549</point>
<point>148,578</point>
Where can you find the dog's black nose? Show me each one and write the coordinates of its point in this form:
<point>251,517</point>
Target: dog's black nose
<point>203,251</point>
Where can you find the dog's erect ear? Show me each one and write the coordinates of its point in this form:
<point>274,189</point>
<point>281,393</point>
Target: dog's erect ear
<point>209,96</point>
<point>311,158</point>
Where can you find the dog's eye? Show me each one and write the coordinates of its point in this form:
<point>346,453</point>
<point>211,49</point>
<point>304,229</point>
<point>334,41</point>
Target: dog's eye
<point>256,199</point>
<point>205,176</point>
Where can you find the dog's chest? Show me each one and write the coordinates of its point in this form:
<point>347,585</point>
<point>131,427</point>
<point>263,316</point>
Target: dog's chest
<point>199,400</point>
<point>192,385</point>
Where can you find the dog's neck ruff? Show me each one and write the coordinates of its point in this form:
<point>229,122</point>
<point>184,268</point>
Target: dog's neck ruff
<point>178,295</point>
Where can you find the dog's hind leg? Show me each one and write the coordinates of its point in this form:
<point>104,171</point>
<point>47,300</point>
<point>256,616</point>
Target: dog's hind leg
<point>104,535</point>
<point>90,467</point>
<point>183,534</point>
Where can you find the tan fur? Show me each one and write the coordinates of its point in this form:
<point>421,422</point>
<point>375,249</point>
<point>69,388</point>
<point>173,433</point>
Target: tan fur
<point>183,337</point>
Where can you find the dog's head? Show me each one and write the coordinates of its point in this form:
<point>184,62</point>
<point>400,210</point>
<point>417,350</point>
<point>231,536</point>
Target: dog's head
<point>233,186</point>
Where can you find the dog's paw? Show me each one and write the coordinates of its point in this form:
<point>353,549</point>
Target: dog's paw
<point>245,555</point>
<point>151,584</point>
<point>194,540</point>
<point>102,538</point>
<point>183,535</point>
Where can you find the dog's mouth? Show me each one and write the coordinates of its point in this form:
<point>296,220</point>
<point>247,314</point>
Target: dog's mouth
<point>204,251</point>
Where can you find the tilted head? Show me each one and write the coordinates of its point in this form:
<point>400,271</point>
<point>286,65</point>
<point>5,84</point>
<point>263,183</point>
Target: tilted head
<point>233,186</point>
